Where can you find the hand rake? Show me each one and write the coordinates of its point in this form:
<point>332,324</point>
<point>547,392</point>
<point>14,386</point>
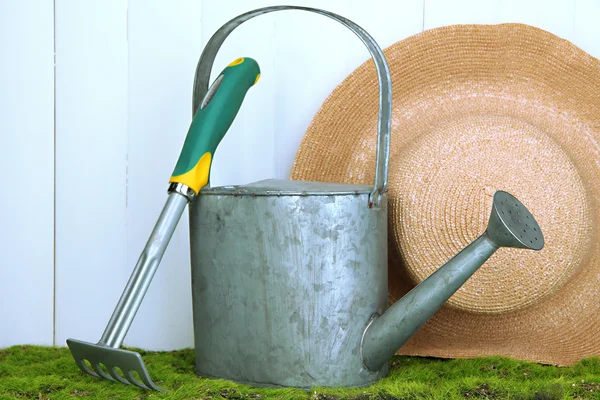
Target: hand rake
<point>210,123</point>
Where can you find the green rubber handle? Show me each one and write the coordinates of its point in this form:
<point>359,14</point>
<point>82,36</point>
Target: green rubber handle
<point>212,120</point>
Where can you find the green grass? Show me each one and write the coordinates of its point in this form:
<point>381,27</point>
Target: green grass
<point>31,372</point>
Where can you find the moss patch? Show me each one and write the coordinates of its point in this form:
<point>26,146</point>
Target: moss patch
<point>31,372</point>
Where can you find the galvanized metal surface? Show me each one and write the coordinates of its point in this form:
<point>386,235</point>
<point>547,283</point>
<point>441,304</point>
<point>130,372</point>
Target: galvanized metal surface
<point>209,53</point>
<point>283,287</point>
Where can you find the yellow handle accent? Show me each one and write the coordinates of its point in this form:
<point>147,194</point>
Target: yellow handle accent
<point>256,80</point>
<point>197,177</point>
<point>237,61</point>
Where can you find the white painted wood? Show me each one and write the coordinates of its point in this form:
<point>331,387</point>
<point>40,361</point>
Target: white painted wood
<point>554,16</point>
<point>586,33</point>
<point>26,172</point>
<point>91,150</point>
<point>441,13</point>
<point>315,54</point>
<point>124,79</point>
<point>164,45</point>
<point>246,154</point>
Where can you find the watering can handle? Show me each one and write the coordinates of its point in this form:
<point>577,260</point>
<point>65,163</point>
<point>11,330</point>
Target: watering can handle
<point>207,59</point>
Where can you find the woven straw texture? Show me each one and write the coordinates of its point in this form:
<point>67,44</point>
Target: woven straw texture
<point>480,108</point>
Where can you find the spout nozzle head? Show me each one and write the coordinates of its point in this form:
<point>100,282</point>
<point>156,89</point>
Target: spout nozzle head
<point>512,225</point>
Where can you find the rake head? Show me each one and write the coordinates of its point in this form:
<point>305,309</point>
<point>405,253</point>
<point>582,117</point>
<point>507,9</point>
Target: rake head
<point>106,360</point>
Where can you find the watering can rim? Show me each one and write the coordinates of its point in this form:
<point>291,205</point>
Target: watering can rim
<point>284,187</point>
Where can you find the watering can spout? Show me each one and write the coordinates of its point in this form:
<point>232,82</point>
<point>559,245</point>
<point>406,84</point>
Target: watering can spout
<point>510,225</point>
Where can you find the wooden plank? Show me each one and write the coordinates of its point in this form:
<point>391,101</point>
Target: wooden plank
<point>246,154</point>
<point>27,163</point>
<point>441,13</point>
<point>586,33</point>
<point>553,16</point>
<point>164,45</point>
<point>315,54</point>
<point>91,144</point>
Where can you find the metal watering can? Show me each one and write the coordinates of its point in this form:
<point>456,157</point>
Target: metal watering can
<point>289,278</point>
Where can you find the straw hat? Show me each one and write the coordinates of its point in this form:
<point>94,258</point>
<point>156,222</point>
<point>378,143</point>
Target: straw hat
<point>480,108</point>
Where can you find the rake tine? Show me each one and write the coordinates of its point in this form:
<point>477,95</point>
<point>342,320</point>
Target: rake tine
<point>113,372</point>
<point>147,380</point>
<point>101,372</point>
<point>83,366</point>
<point>133,380</point>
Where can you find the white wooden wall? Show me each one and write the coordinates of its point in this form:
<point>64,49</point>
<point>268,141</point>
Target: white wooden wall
<point>95,100</point>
